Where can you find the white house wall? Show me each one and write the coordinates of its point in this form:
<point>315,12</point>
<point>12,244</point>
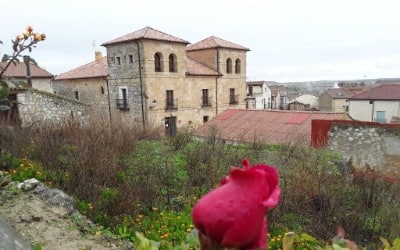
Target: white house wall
<point>360,110</point>
<point>391,108</point>
<point>363,110</point>
<point>308,99</point>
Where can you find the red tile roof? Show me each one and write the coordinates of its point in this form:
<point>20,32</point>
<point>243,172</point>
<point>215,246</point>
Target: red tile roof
<point>100,69</point>
<point>195,68</point>
<point>146,33</point>
<point>380,92</point>
<point>19,71</point>
<point>97,68</point>
<point>265,126</point>
<point>215,42</point>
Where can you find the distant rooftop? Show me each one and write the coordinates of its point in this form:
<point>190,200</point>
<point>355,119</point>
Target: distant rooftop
<point>146,33</point>
<point>340,93</point>
<point>97,68</point>
<point>215,42</point>
<point>380,92</point>
<point>18,70</point>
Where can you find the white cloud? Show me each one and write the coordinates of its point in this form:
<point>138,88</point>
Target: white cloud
<point>289,39</point>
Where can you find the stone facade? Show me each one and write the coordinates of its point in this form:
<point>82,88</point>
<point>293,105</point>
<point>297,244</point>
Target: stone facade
<point>38,107</point>
<point>143,95</point>
<point>369,147</point>
<point>91,91</point>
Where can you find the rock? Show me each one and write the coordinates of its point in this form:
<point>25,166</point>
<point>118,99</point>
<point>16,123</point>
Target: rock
<point>10,239</point>
<point>55,197</point>
<point>4,180</point>
<point>28,185</point>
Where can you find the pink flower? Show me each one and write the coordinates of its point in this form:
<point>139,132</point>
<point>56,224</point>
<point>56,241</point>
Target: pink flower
<point>234,214</point>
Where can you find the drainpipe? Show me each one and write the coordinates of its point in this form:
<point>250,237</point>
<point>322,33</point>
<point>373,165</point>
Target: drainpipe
<point>373,111</point>
<point>109,103</point>
<point>141,87</point>
<point>216,84</point>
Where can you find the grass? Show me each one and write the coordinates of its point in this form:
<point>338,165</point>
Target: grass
<point>111,172</point>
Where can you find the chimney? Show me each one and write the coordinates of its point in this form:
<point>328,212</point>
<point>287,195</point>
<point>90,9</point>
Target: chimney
<point>98,56</point>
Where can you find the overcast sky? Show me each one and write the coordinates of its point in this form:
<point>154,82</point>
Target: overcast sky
<point>299,40</point>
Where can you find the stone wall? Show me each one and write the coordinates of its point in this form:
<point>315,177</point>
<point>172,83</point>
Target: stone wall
<point>38,107</point>
<point>371,147</point>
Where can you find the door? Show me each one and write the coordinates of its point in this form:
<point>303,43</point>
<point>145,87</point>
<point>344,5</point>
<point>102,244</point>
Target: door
<point>170,126</point>
<point>380,116</point>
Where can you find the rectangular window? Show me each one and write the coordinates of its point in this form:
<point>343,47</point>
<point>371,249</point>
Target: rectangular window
<point>118,60</point>
<point>205,118</point>
<point>250,90</point>
<point>130,59</point>
<point>170,99</point>
<point>233,99</point>
<point>204,98</point>
<point>122,101</point>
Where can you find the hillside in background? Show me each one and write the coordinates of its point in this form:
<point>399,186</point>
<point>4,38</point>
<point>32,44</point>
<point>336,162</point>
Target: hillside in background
<point>318,87</point>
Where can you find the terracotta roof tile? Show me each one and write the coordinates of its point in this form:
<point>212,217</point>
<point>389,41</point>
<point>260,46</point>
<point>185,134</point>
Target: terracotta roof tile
<point>380,92</point>
<point>146,33</point>
<point>195,68</point>
<point>19,71</point>
<point>97,68</point>
<point>265,126</point>
<point>215,42</point>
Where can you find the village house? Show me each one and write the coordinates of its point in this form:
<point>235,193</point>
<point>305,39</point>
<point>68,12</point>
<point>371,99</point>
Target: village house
<point>258,95</point>
<point>379,104</point>
<point>155,79</point>
<point>40,78</point>
<point>335,100</point>
<point>303,101</point>
<point>278,97</point>
<point>87,84</point>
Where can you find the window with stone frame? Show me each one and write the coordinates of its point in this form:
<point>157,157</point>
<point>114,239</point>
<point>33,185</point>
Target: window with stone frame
<point>158,67</point>
<point>237,66</point>
<point>172,63</point>
<point>233,98</point>
<point>228,65</point>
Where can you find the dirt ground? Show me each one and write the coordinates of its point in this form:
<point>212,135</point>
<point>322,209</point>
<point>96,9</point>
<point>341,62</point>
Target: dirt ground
<point>51,226</point>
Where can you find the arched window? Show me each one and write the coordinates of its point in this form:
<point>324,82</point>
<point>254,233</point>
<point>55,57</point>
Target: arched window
<point>172,63</point>
<point>237,66</point>
<point>228,66</point>
<point>158,67</point>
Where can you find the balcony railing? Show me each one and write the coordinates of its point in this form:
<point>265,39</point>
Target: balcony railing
<point>205,101</point>
<point>233,99</point>
<point>122,104</point>
<point>171,104</point>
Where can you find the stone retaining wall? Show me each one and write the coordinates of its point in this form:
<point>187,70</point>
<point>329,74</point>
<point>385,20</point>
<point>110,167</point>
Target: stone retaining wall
<point>370,147</point>
<point>38,107</point>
